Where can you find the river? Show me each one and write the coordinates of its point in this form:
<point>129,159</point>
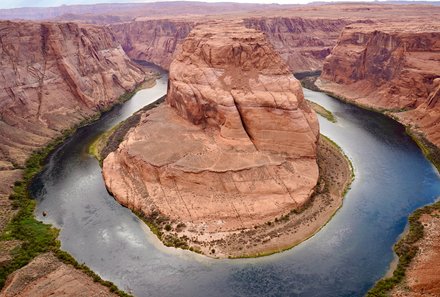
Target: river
<point>344,259</point>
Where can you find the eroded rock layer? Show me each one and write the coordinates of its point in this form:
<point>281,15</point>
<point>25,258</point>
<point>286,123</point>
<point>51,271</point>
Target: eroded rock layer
<point>391,67</point>
<point>152,40</point>
<point>235,145</point>
<point>46,275</point>
<point>54,75</point>
<point>302,43</point>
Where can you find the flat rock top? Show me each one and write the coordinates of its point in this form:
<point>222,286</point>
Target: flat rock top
<point>411,27</point>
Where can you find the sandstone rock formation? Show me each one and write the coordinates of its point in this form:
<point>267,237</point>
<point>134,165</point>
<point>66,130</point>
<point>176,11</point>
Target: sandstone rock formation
<point>233,148</point>
<point>390,67</point>
<point>47,276</point>
<point>152,40</point>
<point>302,43</point>
<point>53,76</point>
<point>422,277</point>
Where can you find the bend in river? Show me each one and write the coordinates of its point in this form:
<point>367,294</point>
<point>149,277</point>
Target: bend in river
<point>344,259</point>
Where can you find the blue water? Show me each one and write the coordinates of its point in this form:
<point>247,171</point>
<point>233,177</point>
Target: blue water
<point>344,259</point>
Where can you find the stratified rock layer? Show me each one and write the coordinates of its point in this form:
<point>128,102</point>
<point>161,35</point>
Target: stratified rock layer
<point>46,275</point>
<point>53,76</point>
<point>234,147</point>
<point>302,43</point>
<point>152,40</point>
<point>391,67</point>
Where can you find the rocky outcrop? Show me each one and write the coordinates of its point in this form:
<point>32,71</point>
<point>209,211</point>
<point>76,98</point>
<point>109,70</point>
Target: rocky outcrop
<point>54,75</point>
<point>302,43</point>
<point>233,148</point>
<point>392,68</point>
<point>48,276</point>
<point>152,40</point>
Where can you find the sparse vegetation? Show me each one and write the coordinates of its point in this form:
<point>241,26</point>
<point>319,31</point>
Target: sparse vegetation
<point>162,227</point>
<point>322,111</point>
<point>36,237</point>
<point>406,250</point>
<point>431,152</point>
<point>109,141</point>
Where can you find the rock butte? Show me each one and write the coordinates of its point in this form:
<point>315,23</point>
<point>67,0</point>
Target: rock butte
<point>235,145</point>
<point>390,67</point>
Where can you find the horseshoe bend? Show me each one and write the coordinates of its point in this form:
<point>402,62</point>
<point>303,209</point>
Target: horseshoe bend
<point>233,157</point>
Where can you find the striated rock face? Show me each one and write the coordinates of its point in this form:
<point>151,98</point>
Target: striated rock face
<point>152,40</point>
<point>302,43</point>
<point>390,67</point>
<point>235,145</point>
<point>54,75</point>
<point>46,275</point>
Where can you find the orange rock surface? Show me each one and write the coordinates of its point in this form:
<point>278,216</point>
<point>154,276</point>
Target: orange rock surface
<point>423,275</point>
<point>53,76</point>
<point>302,43</point>
<point>235,145</point>
<point>47,276</point>
<point>390,67</point>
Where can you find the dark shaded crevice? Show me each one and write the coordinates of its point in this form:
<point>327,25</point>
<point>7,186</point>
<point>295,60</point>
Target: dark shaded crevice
<point>243,123</point>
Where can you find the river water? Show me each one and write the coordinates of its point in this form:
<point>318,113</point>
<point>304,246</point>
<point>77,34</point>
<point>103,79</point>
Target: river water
<point>344,259</point>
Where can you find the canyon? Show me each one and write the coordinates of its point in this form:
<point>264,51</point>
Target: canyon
<point>390,68</point>
<point>58,74</point>
<point>54,76</point>
<point>302,43</point>
<point>395,70</point>
<point>53,82</point>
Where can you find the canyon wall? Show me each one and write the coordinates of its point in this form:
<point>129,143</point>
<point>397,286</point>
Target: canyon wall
<point>233,147</point>
<point>53,76</point>
<point>302,43</point>
<point>391,67</point>
<point>152,40</point>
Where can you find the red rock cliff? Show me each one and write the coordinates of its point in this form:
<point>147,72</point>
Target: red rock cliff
<point>391,67</point>
<point>234,147</point>
<point>302,43</point>
<point>152,40</point>
<point>53,77</point>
